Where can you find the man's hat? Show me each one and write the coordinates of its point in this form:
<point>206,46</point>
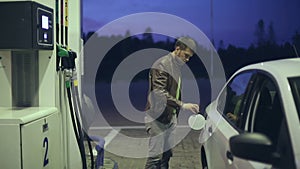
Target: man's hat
<point>189,42</point>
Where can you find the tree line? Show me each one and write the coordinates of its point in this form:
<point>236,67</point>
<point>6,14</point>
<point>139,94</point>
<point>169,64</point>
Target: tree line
<point>233,57</point>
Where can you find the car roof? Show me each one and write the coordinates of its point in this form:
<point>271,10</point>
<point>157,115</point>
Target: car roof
<point>280,68</point>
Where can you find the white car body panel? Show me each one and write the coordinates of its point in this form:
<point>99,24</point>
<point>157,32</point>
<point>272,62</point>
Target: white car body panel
<point>216,143</point>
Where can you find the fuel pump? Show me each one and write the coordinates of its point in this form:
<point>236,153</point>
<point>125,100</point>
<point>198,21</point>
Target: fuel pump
<point>29,119</point>
<point>40,110</point>
<point>33,127</point>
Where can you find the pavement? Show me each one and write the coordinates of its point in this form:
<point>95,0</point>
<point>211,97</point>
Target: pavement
<point>127,147</point>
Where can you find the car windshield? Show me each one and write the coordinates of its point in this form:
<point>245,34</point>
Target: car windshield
<point>295,87</point>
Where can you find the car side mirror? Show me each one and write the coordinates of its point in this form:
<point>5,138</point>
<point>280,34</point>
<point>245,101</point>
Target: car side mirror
<point>253,146</point>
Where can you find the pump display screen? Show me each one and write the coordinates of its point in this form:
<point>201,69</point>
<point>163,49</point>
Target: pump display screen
<point>45,28</point>
<point>45,22</point>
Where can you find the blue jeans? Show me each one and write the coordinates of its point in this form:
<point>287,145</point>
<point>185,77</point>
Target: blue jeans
<point>161,142</point>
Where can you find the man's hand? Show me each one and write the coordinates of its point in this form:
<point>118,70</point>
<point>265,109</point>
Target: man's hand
<point>191,107</point>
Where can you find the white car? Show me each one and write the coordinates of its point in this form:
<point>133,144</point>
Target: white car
<point>255,120</point>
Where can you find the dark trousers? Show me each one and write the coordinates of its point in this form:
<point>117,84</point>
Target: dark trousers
<point>161,142</point>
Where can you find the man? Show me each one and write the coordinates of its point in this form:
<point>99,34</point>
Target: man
<point>164,102</point>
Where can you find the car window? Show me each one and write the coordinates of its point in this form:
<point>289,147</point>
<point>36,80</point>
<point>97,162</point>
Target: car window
<point>295,87</point>
<point>267,109</point>
<point>231,98</point>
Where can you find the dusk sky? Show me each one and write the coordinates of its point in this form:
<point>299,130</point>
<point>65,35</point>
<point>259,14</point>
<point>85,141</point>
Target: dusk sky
<point>234,21</point>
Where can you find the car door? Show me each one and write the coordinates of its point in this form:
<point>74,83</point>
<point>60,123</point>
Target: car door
<point>266,115</point>
<point>230,104</point>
